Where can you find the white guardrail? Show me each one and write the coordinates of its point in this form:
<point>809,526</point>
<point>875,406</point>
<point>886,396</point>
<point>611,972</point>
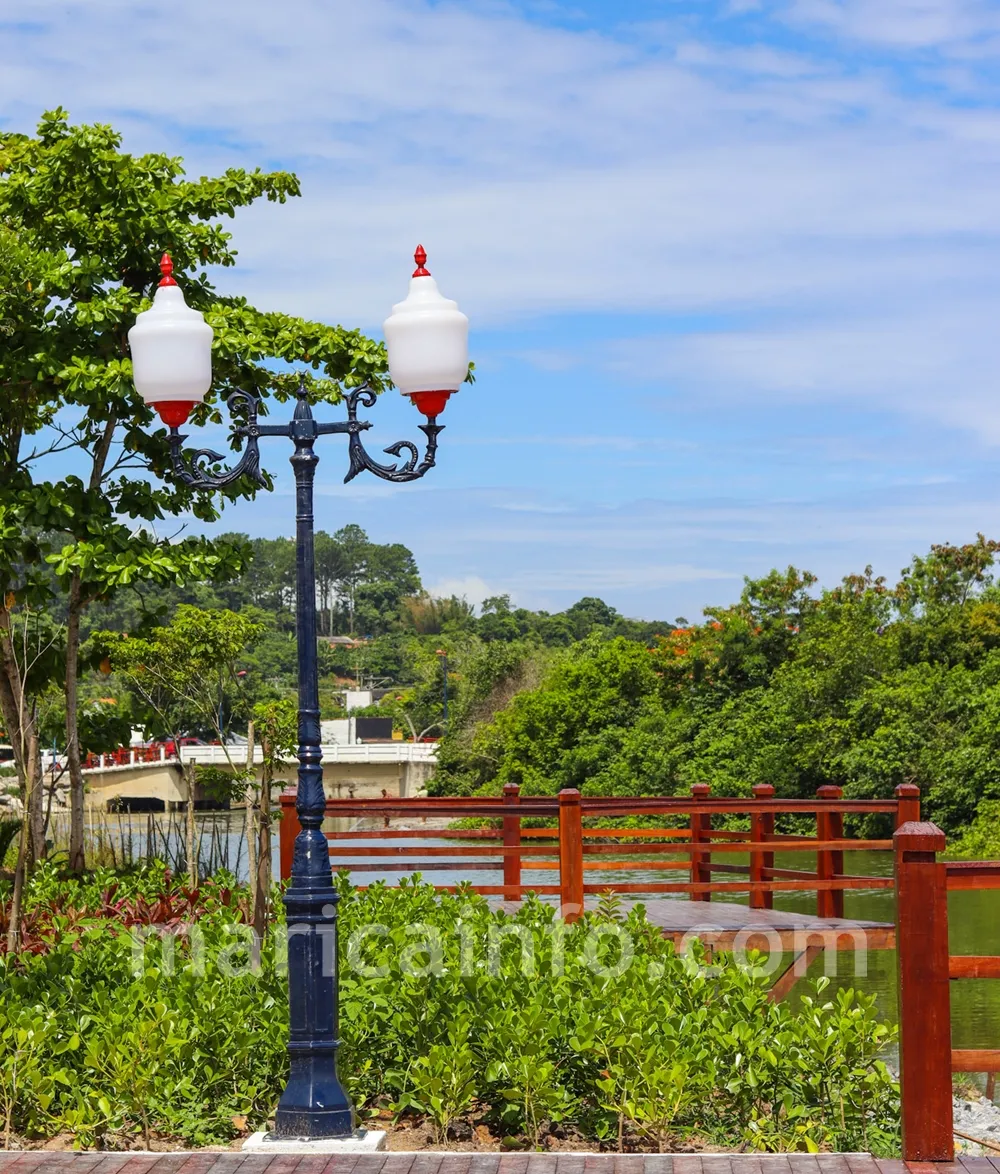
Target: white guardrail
<point>365,752</point>
<point>368,752</point>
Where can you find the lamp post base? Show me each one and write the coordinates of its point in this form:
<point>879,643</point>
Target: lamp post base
<point>361,1141</point>
<point>314,1104</point>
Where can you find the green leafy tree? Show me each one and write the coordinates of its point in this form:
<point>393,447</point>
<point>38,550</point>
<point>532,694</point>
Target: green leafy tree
<point>276,727</point>
<point>83,226</point>
<point>566,732</point>
<point>186,675</point>
<point>330,569</point>
<point>354,552</point>
<point>32,655</point>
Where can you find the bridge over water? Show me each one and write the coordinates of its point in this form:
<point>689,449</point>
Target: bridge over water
<point>349,771</point>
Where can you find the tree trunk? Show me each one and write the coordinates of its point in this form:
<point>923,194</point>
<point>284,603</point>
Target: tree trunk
<point>250,815</point>
<point>14,925</point>
<point>31,844</point>
<point>262,878</point>
<point>77,602</point>
<point>36,791</point>
<point>12,699</point>
<point>191,847</point>
<point>77,862</point>
<point>50,796</point>
<point>20,718</point>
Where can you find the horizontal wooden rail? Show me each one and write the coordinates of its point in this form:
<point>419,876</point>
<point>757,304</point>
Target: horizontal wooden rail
<point>512,892</point>
<point>422,866</point>
<point>418,834</point>
<point>973,874</point>
<point>478,850</point>
<point>975,1060</point>
<point>974,966</point>
<point>799,845</point>
<point>741,806</point>
<point>868,882</point>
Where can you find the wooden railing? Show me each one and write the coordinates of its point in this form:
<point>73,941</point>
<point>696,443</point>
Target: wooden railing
<point>567,847</point>
<point>925,970</point>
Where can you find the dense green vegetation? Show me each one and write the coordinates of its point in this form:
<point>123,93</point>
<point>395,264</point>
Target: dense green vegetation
<point>863,685</point>
<point>451,1011</point>
<point>373,592</point>
<point>83,496</point>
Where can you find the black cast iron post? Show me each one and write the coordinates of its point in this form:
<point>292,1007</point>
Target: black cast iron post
<point>314,1103</point>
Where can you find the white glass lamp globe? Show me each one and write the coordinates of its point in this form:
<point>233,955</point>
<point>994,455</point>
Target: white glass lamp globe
<point>171,347</point>
<point>427,340</point>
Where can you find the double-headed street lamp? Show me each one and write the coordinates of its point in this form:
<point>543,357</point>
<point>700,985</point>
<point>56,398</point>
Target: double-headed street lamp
<point>427,342</point>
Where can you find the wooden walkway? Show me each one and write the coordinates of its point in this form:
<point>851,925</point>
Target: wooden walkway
<point>724,924</point>
<point>456,1163</point>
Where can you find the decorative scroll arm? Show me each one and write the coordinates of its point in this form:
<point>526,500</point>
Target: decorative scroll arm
<point>200,469</point>
<point>360,460</point>
<point>195,469</point>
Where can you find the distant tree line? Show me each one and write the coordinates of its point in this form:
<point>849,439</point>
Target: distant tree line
<point>371,591</point>
<point>864,685</point>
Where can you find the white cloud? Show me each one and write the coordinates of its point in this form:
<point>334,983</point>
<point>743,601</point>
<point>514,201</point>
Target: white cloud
<point>470,587</point>
<point>651,557</point>
<point>905,24</point>
<point>619,579</point>
<point>545,169</point>
<point>809,225</point>
<point>940,365</point>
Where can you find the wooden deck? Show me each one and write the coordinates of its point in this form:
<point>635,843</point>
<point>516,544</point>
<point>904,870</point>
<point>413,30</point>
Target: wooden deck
<point>456,1163</point>
<point>720,923</point>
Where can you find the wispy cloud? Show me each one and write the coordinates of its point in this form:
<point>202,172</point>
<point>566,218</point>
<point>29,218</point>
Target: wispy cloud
<point>744,210</point>
<point>944,25</point>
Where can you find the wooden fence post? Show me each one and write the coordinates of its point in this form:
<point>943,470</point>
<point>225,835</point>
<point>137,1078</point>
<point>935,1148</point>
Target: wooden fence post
<point>829,862</point>
<point>924,1000</point>
<point>761,826</point>
<point>908,804</point>
<point>570,854</point>
<point>701,825</point>
<point>512,839</point>
<point>288,828</point>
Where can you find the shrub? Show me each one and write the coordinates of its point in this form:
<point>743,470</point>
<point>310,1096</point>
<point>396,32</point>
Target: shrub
<point>448,1008</point>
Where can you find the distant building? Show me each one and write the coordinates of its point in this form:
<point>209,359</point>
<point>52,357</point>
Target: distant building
<point>357,698</point>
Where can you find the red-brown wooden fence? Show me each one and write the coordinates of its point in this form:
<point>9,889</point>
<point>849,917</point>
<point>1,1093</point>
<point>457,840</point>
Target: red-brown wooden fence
<point>567,847</point>
<point>925,971</point>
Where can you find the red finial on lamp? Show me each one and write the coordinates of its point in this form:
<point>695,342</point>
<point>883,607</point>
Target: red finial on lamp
<point>420,256</point>
<point>167,269</point>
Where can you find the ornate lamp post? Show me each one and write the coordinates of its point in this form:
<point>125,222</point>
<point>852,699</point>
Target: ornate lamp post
<point>427,342</point>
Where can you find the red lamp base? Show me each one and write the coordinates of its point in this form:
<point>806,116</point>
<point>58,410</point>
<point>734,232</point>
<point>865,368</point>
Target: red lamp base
<point>174,412</point>
<point>431,403</point>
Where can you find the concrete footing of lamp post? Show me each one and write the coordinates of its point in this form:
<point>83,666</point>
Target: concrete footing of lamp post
<point>361,1141</point>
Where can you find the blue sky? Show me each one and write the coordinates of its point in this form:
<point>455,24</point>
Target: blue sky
<point>733,269</point>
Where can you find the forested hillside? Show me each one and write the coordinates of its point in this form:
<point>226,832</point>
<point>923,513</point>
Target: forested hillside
<point>866,684</point>
<point>373,593</point>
